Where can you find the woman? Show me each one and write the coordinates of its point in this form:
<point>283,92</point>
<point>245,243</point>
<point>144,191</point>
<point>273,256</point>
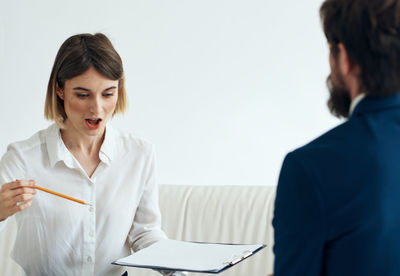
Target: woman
<point>82,156</point>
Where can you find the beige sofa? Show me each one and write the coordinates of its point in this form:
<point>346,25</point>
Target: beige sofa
<point>223,214</point>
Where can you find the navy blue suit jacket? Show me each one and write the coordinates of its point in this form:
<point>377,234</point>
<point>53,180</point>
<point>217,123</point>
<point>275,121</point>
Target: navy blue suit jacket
<point>337,209</point>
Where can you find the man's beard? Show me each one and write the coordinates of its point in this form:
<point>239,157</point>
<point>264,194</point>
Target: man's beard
<point>339,97</point>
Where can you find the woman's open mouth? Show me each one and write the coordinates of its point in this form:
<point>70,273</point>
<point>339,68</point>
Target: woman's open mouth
<point>93,123</point>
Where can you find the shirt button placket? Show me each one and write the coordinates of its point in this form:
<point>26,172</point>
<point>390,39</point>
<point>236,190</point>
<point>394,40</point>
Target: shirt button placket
<point>90,228</point>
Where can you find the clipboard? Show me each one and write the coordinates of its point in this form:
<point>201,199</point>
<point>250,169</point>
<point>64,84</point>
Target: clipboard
<point>190,256</point>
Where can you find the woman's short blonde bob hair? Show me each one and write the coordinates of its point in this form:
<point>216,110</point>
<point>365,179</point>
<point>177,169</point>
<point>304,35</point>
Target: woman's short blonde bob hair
<point>76,55</point>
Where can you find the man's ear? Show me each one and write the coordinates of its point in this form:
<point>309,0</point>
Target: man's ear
<point>346,66</point>
<point>59,92</point>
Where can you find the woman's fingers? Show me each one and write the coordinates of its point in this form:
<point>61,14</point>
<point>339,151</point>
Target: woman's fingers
<point>19,183</point>
<point>16,188</point>
<point>23,197</point>
<point>12,202</point>
<point>23,206</point>
<point>15,196</point>
<point>21,191</point>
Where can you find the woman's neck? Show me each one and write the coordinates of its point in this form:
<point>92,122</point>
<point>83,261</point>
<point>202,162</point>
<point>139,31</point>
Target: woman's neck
<point>84,144</point>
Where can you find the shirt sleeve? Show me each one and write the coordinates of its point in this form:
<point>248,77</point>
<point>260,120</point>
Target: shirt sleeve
<point>146,228</point>
<point>11,168</point>
<point>298,222</point>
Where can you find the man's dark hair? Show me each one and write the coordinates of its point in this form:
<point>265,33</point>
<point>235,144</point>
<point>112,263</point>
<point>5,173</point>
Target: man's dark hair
<point>370,32</point>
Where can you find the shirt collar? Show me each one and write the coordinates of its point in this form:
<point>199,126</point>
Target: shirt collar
<point>57,150</point>
<point>355,102</point>
<point>377,103</point>
<point>107,150</point>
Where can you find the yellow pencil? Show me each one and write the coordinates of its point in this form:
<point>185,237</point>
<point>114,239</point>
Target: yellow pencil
<point>61,195</point>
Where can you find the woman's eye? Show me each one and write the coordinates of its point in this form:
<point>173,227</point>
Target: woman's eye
<point>82,95</point>
<point>109,94</point>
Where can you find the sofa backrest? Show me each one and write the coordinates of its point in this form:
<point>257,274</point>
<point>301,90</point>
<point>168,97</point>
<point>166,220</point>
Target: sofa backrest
<point>222,214</point>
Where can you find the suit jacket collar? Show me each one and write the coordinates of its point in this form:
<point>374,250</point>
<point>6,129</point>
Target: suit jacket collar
<point>376,103</point>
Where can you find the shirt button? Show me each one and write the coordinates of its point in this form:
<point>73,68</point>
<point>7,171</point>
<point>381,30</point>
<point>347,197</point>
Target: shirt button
<point>90,209</point>
<point>91,233</point>
<point>89,259</point>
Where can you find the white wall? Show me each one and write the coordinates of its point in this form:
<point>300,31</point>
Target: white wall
<point>224,88</point>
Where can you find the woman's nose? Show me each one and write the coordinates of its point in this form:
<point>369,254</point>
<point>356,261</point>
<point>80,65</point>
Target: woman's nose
<point>95,105</point>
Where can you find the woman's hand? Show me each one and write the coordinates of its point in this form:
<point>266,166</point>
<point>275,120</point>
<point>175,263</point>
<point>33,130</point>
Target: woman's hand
<point>13,192</point>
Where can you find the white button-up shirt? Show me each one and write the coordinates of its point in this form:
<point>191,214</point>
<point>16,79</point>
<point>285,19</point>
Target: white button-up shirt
<point>61,237</point>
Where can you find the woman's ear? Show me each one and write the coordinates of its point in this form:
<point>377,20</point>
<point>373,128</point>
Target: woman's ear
<point>59,92</point>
